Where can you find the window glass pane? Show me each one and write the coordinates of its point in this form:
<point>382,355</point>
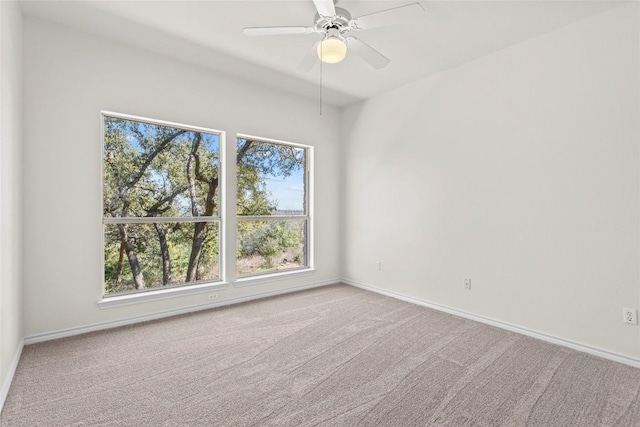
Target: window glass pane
<point>271,246</point>
<point>159,171</point>
<point>271,179</point>
<point>143,256</point>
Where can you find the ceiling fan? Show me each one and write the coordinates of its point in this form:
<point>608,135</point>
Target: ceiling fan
<point>335,25</point>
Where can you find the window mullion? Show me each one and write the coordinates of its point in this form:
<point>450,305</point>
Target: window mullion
<point>270,217</point>
<point>158,219</point>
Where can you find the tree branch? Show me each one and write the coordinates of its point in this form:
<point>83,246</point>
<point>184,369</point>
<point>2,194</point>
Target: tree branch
<point>155,208</point>
<point>243,150</point>
<point>190,178</point>
<point>163,144</point>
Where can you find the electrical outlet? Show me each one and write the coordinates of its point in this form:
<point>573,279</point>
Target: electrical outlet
<point>378,265</point>
<point>467,284</point>
<point>213,296</point>
<point>630,315</point>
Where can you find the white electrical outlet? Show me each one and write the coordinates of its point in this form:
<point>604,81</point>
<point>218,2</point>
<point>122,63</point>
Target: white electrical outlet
<point>630,315</point>
<point>467,284</point>
<point>378,265</point>
<point>213,296</point>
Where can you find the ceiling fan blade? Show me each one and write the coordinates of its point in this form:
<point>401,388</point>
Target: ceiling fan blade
<point>397,15</point>
<point>309,59</point>
<point>366,52</point>
<point>325,7</point>
<point>274,31</point>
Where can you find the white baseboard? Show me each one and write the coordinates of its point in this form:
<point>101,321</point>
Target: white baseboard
<point>605,354</point>
<point>6,384</point>
<point>62,333</point>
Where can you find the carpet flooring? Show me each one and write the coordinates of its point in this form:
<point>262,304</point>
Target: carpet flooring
<point>331,356</point>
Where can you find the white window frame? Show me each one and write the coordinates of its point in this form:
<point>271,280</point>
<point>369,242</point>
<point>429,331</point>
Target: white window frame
<point>258,278</point>
<point>169,291</point>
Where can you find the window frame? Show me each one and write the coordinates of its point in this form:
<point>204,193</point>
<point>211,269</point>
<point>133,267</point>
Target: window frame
<point>308,217</point>
<point>166,291</point>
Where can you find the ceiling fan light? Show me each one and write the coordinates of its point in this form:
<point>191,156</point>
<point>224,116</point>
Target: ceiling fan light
<point>332,50</point>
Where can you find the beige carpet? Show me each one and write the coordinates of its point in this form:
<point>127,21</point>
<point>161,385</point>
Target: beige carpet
<point>333,356</point>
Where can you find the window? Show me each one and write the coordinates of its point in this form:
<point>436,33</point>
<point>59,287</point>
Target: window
<point>272,206</point>
<point>162,214</point>
<point>161,204</point>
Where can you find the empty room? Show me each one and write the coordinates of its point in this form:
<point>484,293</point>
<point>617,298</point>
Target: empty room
<point>319,213</point>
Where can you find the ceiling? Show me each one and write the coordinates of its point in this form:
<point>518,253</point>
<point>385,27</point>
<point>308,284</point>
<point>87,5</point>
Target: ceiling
<point>209,33</point>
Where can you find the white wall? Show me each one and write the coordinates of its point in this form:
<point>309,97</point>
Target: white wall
<point>518,170</point>
<point>10,187</point>
<point>69,77</point>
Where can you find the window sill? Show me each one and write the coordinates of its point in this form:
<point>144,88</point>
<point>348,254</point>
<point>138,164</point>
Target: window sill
<point>273,277</point>
<point>118,301</point>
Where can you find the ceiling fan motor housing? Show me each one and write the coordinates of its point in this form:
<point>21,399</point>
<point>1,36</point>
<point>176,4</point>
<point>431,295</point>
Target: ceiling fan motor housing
<point>340,22</point>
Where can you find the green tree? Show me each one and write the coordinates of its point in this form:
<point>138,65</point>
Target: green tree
<point>145,176</point>
<point>154,171</point>
<point>257,160</point>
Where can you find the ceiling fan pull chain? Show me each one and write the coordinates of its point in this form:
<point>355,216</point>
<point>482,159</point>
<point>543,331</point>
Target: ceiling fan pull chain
<point>321,62</point>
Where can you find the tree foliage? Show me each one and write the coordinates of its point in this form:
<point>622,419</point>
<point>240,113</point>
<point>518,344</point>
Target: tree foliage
<point>161,173</point>
<point>266,239</point>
